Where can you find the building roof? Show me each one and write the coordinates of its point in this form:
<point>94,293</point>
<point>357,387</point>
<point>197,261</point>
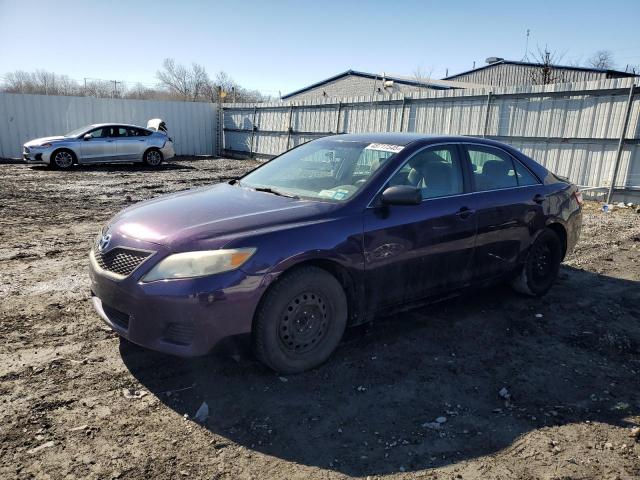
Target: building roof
<point>618,73</point>
<point>427,83</point>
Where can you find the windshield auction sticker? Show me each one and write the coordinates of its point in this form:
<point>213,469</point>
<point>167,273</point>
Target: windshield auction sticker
<point>384,147</point>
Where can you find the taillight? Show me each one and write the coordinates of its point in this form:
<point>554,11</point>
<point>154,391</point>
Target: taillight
<point>578,196</point>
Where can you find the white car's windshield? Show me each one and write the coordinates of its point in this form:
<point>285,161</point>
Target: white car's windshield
<point>77,131</point>
<point>327,169</point>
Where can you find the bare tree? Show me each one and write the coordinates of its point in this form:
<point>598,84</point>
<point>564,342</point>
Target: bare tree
<point>18,82</point>
<point>602,59</point>
<point>176,78</point>
<point>177,82</point>
<point>199,81</point>
<point>545,72</point>
<point>97,88</point>
<point>422,74</point>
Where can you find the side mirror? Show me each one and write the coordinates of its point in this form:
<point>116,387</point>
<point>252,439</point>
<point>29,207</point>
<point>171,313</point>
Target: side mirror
<point>87,136</point>
<point>401,195</point>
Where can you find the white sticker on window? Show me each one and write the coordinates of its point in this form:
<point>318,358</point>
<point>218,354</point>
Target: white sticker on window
<point>384,147</point>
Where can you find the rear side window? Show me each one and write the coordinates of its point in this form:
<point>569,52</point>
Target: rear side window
<point>525,177</point>
<point>436,171</point>
<point>492,169</point>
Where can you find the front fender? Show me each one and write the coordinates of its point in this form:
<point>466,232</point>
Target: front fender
<point>331,242</point>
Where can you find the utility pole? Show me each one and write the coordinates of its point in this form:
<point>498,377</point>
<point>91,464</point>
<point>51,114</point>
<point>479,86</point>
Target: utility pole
<point>115,88</point>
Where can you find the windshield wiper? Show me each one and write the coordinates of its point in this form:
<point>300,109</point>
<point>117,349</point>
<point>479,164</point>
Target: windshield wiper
<point>275,192</point>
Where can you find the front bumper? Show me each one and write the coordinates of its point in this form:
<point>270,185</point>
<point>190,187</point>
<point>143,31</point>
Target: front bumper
<point>36,155</point>
<point>185,317</point>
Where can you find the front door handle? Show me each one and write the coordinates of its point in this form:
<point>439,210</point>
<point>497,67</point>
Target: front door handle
<point>465,212</point>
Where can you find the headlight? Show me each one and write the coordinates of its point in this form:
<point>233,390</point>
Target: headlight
<point>46,145</point>
<point>198,264</point>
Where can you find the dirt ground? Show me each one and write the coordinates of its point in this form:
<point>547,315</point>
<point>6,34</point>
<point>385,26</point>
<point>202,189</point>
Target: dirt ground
<point>524,388</point>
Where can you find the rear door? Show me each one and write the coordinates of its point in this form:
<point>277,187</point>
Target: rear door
<point>509,201</point>
<point>414,251</point>
<point>130,143</point>
<point>99,147</point>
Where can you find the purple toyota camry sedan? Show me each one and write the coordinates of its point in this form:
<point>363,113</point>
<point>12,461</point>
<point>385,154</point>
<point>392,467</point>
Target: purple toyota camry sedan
<point>327,235</point>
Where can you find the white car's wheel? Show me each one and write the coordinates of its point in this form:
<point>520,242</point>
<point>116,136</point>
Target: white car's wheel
<point>62,159</point>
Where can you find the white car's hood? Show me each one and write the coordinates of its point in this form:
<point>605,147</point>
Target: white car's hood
<point>39,141</point>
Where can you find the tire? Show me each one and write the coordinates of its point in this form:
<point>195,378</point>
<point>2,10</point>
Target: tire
<point>62,159</point>
<point>300,321</point>
<point>152,158</point>
<point>541,267</point>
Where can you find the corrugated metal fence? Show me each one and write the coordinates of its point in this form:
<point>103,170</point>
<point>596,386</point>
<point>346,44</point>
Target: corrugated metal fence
<point>574,129</point>
<point>192,125</point>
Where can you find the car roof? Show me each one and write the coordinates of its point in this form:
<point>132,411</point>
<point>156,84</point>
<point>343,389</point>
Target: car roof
<point>405,139</point>
<point>391,138</point>
<point>97,125</point>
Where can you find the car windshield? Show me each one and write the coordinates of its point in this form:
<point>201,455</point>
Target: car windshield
<point>327,169</point>
<point>77,131</point>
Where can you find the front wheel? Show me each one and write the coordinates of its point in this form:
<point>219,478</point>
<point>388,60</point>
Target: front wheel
<point>541,266</point>
<point>152,158</point>
<point>62,159</point>
<point>300,321</point>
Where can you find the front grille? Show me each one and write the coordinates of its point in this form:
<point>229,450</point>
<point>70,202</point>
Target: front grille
<point>121,261</point>
<point>179,333</point>
<point>117,317</point>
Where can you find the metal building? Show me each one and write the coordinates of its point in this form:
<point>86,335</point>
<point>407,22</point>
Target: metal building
<point>500,73</point>
<point>353,84</point>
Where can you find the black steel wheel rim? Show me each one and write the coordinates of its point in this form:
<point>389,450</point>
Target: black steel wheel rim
<point>542,262</point>
<point>303,324</point>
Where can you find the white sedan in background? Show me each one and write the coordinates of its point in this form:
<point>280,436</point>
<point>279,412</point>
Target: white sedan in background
<point>103,143</point>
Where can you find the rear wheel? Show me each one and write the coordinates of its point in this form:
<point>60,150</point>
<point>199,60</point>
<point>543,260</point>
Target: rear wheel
<point>152,157</point>
<point>62,159</point>
<point>541,266</point>
<point>300,321</point>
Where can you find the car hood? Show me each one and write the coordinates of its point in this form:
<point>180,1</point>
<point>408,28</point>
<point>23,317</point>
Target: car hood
<point>39,141</point>
<point>212,216</point>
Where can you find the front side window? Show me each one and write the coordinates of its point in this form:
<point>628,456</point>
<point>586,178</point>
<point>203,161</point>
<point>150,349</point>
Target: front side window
<point>436,171</point>
<point>326,169</point>
<point>100,132</point>
<point>77,131</point>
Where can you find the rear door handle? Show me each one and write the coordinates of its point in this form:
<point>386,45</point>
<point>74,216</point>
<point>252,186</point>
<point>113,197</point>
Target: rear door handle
<point>465,212</point>
<point>538,198</point>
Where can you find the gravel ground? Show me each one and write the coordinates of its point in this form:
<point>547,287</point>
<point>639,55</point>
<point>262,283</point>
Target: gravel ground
<point>494,386</point>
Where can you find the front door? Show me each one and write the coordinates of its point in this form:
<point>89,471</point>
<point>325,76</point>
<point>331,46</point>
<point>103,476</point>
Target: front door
<point>414,251</point>
<point>509,203</point>
<point>99,147</point>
